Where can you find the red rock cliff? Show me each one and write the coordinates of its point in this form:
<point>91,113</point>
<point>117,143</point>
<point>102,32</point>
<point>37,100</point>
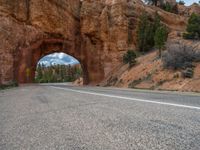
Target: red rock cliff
<point>96,32</point>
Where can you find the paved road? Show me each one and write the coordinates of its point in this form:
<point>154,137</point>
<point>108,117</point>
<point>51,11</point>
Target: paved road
<point>65,117</point>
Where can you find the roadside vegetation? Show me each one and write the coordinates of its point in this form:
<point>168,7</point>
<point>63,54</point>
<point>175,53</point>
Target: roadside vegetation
<point>57,73</point>
<point>9,85</point>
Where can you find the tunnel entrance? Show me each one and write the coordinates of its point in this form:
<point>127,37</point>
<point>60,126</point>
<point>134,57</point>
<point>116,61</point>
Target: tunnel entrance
<point>57,68</point>
<point>58,27</point>
<point>28,64</point>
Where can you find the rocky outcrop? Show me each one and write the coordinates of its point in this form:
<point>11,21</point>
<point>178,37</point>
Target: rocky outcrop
<point>96,32</point>
<point>31,29</point>
<point>187,11</point>
<point>108,28</point>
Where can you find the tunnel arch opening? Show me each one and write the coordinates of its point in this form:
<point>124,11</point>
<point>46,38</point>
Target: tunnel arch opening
<point>58,68</point>
<point>30,57</point>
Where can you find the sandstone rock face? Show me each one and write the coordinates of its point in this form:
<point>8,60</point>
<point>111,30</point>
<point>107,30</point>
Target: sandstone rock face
<point>96,32</point>
<point>31,29</point>
<point>187,11</point>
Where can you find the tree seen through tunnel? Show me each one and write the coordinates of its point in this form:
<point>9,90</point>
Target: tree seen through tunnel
<point>57,67</point>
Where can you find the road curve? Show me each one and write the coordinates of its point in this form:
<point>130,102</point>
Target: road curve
<point>67,117</point>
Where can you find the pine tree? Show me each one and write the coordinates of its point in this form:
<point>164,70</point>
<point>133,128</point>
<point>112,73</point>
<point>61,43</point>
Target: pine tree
<point>57,73</point>
<point>39,72</point>
<point>160,38</point>
<point>146,31</point>
<point>142,32</point>
<point>193,27</point>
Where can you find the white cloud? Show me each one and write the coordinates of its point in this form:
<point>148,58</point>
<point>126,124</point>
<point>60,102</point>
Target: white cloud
<point>58,58</point>
<point>61,55</point>
<point>46,63</point>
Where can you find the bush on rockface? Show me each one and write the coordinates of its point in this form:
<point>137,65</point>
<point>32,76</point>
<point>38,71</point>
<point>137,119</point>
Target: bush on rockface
<point>180,56</point>
<point>130,58</point>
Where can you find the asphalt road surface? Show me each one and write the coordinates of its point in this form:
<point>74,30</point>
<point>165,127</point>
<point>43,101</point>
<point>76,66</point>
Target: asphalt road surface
<point>66,117</point>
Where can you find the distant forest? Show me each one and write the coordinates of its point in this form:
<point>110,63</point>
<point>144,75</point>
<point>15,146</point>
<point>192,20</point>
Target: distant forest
<point>57,73</point>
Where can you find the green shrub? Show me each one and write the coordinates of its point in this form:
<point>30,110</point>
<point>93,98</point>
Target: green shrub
<point>193,27</point>
<point>129,58</point>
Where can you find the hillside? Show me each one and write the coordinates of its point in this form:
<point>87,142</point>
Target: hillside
<point>150,74</point>
<point>149,71</point>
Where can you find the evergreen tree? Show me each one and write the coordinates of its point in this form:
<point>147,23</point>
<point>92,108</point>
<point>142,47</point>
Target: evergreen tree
<point>142,32</point>
<point>146,31</point>
<point>57,73</point>
<point>39,72</point>
<point>156,22</point>
<point>193,27</point>
<point>160,38</point>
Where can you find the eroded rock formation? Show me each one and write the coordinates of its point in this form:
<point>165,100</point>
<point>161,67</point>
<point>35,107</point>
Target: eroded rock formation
<point>96,32</point>
<point>187,11</point>
<point>31,29</point>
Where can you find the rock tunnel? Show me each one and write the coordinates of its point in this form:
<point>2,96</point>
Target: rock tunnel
<point>32,29</point>
<point>30,56</point>
<point>95,32</point>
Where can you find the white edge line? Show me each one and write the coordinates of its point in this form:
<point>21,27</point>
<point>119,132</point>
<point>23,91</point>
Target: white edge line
<point>127,98</point>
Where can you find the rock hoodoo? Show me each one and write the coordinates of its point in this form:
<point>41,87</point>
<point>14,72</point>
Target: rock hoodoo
<point>96,32</point>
